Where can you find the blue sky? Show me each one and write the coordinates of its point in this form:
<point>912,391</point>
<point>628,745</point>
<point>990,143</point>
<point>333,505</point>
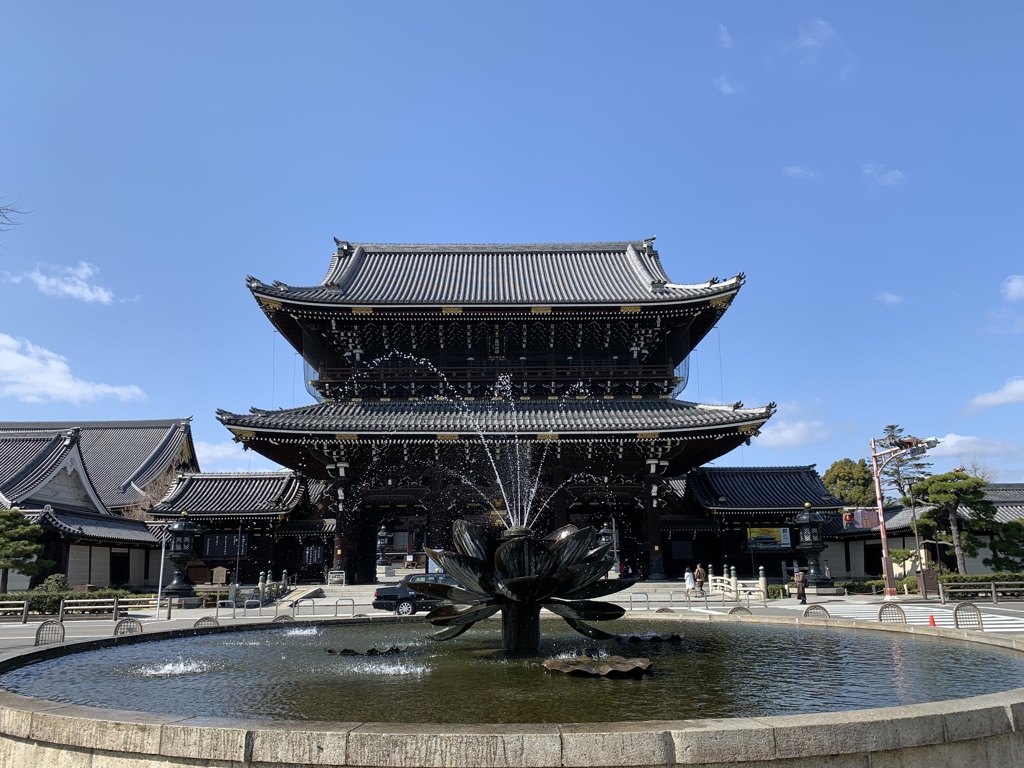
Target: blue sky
<point>860,162</point>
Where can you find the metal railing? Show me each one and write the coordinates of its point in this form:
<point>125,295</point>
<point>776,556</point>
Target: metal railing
<point>348,600</point>
<point>981,590</point>
<point>647,600</point>
<point>114,605</point>
<point>15,607</point>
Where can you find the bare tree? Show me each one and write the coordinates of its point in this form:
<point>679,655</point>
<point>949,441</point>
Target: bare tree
<point>9,216</point>
<point>975,466</point>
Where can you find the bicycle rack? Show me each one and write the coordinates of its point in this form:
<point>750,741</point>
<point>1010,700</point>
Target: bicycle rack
<point>647,599</point>
<point>348,600</point>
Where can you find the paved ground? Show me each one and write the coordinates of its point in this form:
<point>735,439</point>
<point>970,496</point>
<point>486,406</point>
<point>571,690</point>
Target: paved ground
<point>640,599</point>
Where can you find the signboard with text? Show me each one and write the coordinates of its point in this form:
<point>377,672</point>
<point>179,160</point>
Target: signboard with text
<point>768,538</point>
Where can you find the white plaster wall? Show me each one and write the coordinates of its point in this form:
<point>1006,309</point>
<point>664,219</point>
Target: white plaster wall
<point>857,559</point>
<point>136,567</point>
<point>836,560</point>
<point>17,582</point>
<point>101,566</point>
<point>78,565</point>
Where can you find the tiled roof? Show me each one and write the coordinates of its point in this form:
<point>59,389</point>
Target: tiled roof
<point>259,494</point>
<point>526,274</point>
<point>565,418</point>
<point>118,454</point>
<point>301,528</point>
<point>28,458</point>
<point>1003,493</point>
<point>741,489</point>
<point>93,526</point>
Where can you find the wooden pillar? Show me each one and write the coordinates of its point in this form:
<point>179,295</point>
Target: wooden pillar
<point>339,491</point>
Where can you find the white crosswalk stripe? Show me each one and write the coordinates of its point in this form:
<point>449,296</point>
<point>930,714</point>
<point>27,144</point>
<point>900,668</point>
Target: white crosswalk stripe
<point>919,615</point>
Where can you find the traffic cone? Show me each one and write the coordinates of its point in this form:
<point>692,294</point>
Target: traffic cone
<point>931,620</point>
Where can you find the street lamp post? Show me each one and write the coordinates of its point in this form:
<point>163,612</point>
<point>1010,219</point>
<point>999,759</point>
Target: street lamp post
<point>908,446</point>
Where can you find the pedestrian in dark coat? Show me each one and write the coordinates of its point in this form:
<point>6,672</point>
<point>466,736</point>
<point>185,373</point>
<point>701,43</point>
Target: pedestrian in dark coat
<point>801,586</point>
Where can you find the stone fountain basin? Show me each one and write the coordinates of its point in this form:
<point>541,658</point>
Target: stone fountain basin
<point>983,730</point>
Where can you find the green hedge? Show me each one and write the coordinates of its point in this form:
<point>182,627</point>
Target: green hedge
<point>49,602</point>
<point>973,578</point>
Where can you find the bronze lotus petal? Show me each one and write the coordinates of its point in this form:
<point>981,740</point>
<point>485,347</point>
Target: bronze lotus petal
<point>453,631</point>
<point>591,610</point>
<point>598,589</point>
<point>475,575</point>
<point>449,615</point>
<point>592,632</point>
<point>471,540</point>
<point>598,553</point>
<point>572,548</point>
<point>561,533</point>
<point>528,589</point>
<point>576,577</point>
<point>523,556</point>
<point>444,592</point>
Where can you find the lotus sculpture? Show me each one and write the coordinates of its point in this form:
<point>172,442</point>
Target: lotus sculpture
<point>518,575</point>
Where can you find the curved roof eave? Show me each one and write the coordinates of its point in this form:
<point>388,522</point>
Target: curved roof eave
<point>702,294</point>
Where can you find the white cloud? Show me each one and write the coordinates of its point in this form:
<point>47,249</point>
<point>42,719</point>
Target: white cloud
<point>792,434</point>
<point>887,297</point>
<point>33,374</point>
<point>1013,288</point>
<point>724,86</point>
<point>1011,392</point>
<point>814,34</point>
<point>965,446</point>
<point>799,172</point>
<point>724,38</point>
<point>882,176</point>
<point>67,282</point>
<point>1005,320</point>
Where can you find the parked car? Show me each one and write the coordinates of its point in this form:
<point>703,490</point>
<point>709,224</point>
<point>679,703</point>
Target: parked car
<point>403,601</point>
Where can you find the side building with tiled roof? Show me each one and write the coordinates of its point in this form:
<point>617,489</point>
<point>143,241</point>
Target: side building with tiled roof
<point>428,361</point>
<point>131,463</point>
<point>45,474</point>
<point>252,522</point>
<point>738,517</point>
<point>855,545</point>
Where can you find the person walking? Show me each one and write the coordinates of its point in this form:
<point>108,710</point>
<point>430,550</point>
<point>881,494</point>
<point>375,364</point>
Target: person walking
<point>688,581</point>
<point>801,586</point>
<point>700,576</point>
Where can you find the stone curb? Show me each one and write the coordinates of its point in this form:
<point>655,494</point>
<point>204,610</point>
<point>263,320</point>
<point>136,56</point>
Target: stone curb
<point>986,730</point>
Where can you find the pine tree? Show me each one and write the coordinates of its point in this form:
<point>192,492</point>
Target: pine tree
<point>19,547</point>
<point>948,493</point>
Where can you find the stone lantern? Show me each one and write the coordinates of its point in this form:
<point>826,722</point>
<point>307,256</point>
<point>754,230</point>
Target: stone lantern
<point>384,540</point>
<point>182,543</point>
<point>809,541</point>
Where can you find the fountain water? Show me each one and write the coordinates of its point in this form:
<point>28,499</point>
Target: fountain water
<point>518,574</point>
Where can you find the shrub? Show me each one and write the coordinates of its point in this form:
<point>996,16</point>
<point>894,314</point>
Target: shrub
<point>57,582</point>
<point>775,592</point>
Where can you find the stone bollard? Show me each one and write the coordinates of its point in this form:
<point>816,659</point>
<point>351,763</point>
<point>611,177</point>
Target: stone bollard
<point>263,586</point>
<point>735,585</point>
<point>762,582</point>
<point>284,580</point>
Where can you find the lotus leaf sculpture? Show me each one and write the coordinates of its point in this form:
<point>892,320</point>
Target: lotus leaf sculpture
<point>609,666</point>
<point>518,575</point>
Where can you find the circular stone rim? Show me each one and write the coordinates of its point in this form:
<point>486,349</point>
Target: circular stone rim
<point>988,728</point>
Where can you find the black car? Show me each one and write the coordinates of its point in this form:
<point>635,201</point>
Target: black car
<point>403,600</point>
